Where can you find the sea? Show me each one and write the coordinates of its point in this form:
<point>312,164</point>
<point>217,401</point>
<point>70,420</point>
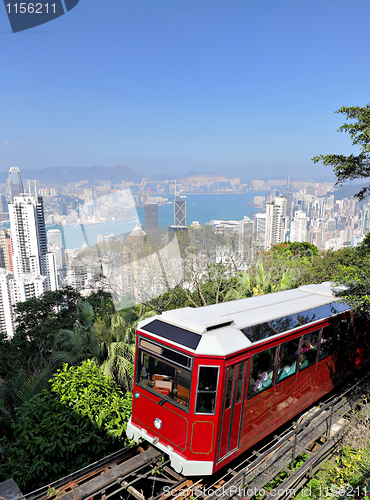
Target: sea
<point>199,207</point>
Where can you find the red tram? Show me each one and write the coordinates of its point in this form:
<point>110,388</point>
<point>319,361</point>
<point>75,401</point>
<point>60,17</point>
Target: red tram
<point>212,381</point>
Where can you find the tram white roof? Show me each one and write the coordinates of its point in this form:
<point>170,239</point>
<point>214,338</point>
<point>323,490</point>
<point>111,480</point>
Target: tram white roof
<point>239,314</point>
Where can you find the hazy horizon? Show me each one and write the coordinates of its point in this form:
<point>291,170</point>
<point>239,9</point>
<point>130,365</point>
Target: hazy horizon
<point>243,88</point>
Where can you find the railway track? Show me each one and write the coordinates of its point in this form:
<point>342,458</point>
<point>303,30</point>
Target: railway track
<point>317,435</point>
<point>143,472</point>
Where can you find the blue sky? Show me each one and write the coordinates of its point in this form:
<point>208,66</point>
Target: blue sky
<point>236,87</point>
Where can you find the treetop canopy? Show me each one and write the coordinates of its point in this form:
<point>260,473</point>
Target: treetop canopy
<point>353,166</point>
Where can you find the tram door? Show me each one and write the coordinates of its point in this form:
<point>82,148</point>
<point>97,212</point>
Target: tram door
<point>232,408</point>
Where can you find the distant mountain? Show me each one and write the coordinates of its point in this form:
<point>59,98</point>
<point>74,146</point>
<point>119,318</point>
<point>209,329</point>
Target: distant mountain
<point>61,176</point>
<point>170,177</point>
<point>193,173</point>
<point>162,177</point>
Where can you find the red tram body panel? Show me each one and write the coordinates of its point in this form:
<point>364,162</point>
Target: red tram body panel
<point>211,382</point>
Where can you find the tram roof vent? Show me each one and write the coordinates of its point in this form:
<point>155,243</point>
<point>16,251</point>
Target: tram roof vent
<point>220,325</point>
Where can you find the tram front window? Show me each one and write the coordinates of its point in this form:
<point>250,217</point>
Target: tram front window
<point>166,377</point>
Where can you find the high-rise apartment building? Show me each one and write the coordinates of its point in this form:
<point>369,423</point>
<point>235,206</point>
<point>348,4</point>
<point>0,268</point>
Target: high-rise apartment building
<point>247,228</point>
<point>260,226</point>
<point>275,222</point>
<point>6,307</point>
<point>54,237</point>
<point>27,225</point>
<point>88,194</point>
<point>298,228</point>
<point>366,221</point>
<point>33,266</point>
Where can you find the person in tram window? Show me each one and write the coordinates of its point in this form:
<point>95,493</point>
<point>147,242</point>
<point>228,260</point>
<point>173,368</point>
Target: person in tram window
<point>304,362</point>
<point>288,366</point>
<point>309,349</point>
<point>265,372</point>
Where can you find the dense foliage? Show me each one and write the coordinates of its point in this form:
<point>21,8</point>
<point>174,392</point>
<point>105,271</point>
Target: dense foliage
<point>38,320</point>
<point>48,429</point>
<point>353,166</point>
<point>346,474</point>
<point>79,419</point>
<point>85,390</point>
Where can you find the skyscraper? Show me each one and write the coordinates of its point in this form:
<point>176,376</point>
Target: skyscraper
<point>275,222</point>
<point>180,211</point>
<point>31,259</point>
<point>15,182</point>
<point>29,236</point>
<point>260,226</point>
<point>151,218</point>
<point>3,203</point>
<point>288,194</point>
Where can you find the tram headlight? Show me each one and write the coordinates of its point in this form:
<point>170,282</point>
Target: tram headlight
<point>158,423</point>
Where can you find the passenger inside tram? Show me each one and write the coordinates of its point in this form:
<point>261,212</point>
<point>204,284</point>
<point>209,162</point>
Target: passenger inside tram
<point>309,350</point>
<point>262,371</point>
<point>288,356</point>
<point>287,367</point>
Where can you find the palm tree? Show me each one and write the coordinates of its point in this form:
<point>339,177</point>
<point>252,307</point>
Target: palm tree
<point>108,339</point>
<point>16,389</point>
<point>260,283</point>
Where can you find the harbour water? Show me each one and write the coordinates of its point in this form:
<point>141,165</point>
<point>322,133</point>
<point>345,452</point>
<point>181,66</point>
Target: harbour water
<point>199,207</point>
<point>207,207</point>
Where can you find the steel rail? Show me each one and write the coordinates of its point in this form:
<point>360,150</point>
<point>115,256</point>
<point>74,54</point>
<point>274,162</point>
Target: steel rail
<point>326,423</point>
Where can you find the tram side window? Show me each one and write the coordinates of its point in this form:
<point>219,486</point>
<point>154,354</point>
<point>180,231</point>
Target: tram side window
<point>327,341</point>
<point>309,346</point>
<point>207,389</point>
<point>262,371</point>
<point>288,358</point>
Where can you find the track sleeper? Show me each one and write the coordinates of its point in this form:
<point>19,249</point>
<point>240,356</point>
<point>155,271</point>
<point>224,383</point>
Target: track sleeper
<point>135,493</point>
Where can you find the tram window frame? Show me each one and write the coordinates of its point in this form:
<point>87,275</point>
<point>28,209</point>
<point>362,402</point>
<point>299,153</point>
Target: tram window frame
<point>255,389</point>
<point>307,350</point>
<point>167,385</point>
<point>206,391</point>
<point>241,374</point>
<point>167,353</point>
<point>230,384</point>
<point>280,375</point>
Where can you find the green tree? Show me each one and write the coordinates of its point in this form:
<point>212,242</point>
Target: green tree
<point>16,389</point>
<point>106,338</point>
<point>295,250</point>
<point>259,283</point>
<point>38,321</point>
<point>352,166</point>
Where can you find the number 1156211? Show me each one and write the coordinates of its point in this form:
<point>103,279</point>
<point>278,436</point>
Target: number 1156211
<point>31,8</point>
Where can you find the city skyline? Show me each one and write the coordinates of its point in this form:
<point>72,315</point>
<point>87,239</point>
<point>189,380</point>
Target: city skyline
<point>208,86</point>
